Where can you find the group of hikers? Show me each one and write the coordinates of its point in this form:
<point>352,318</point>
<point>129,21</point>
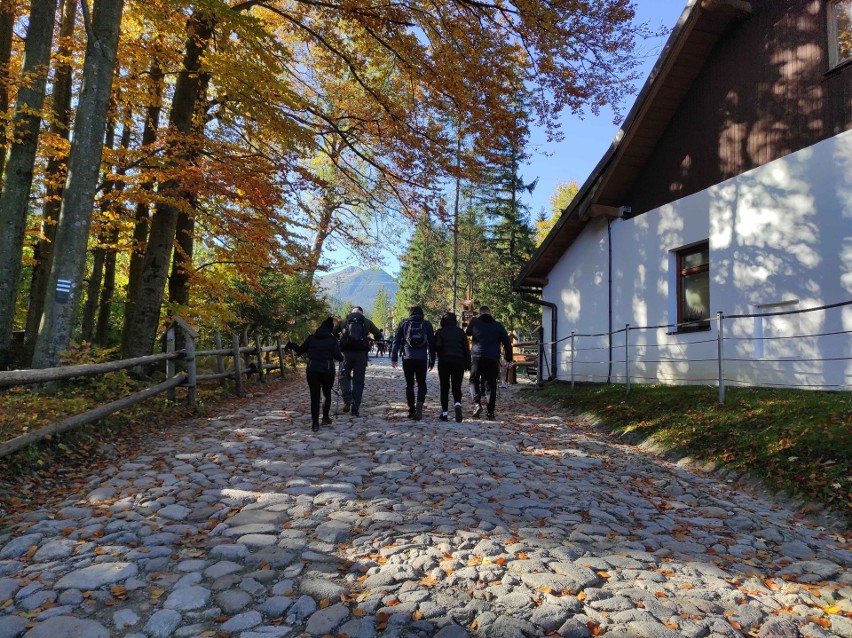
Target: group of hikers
<point>350,340</point>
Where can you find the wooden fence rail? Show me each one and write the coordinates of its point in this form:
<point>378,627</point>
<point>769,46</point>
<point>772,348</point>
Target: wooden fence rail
<point>188,379</point>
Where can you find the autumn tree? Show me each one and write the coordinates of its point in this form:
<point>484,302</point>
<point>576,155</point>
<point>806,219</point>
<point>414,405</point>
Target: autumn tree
<point>54,173</point>
<point>84,163</point>
<point>294,126</point>
<point>559,201</point>
<point>20,159</point>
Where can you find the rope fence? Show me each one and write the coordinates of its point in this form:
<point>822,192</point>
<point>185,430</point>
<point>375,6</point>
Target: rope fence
<point>807,348</point>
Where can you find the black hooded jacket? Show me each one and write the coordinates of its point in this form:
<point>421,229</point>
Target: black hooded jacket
<point>451,343</point>
<point>322,348</point>
<point>487,335</point>
<point>424,353</point>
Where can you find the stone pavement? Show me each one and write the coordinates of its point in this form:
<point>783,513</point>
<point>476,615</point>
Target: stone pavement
<point>249,525</point>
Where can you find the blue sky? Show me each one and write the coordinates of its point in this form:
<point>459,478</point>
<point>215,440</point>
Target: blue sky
<point>585,140</point>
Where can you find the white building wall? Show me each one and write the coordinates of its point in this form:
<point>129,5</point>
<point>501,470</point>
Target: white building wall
<point>780,239</point>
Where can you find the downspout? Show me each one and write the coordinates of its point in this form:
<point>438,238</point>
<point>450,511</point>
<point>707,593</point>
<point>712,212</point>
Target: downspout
<point>609,294</point>
<point>525,296</point>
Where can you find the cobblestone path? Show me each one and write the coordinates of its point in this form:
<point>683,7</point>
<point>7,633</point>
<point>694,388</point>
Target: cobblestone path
<point>249,525</point>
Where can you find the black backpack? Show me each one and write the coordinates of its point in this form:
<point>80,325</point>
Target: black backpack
<point>355,335</point>
<point>415,334</point>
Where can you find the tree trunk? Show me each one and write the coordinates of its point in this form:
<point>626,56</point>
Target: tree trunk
<point>93,286</point>
<point>182,259</point>
<point>84,163</point>
<point>146,313</point>
<point>323,230</point>
<point>55,171</point>
<point>93,290</point>
<point>182,267</point>
<point>20,158</point>
<point>7,26</point>
<point>108,287</point>
<point>142,217</point>
<point>105,307</point>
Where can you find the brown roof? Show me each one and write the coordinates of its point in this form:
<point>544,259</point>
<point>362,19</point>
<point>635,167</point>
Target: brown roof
<point>701,25</point>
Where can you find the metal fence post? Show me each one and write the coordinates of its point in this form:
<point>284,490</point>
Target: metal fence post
<point>720,340</point>
<point>572,359</point>
<point>220,360</point>
<point>238,364</point>
<point>190,367</point>
<point>539,365</point>
<point>627,357</point>
<point>170,363</point>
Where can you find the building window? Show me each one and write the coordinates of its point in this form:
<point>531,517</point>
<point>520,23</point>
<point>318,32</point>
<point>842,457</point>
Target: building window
<point>693,287</point>
<point>839,32</point>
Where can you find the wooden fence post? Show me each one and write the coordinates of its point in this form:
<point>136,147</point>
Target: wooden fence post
<point>238,364</point>
<point>259,356</point>
<point>190,366</point>
<point>170,363</point>
<point>280,354</point>
<point>220,360</point>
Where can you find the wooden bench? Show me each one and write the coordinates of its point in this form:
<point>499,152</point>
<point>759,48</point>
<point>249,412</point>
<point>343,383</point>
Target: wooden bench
<point>525,357</point>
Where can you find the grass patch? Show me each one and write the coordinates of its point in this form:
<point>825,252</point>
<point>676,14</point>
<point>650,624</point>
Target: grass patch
<point>797,442</point>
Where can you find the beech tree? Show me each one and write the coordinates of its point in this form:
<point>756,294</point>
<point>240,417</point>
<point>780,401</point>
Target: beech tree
<point>293,127</point>
<point>18,175</point>
<point>84,163</point>
<point>54,178</point>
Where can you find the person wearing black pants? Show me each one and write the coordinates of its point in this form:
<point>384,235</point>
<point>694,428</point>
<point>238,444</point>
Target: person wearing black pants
<point>453,354</point>
<point>487,335</point>
<point>323,350</point>
<point>354,332</point>
<point>415,338</point>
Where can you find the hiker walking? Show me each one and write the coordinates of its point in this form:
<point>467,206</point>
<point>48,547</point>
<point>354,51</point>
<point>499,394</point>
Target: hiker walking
<point>415,339</point>
<point>354,333</point>
<point>487,335</point>
<point>322,350</point>
<point>453,354</point>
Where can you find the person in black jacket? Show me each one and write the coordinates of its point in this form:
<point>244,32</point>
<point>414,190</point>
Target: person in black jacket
<point>453,353</point>
<point>415,338</point>
<point>354,332</point>
<point>323,350</point>
<point>487,335</point>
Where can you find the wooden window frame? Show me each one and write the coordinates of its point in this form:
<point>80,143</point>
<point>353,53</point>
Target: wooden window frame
<point>683,272</point>
<point>834,60</point>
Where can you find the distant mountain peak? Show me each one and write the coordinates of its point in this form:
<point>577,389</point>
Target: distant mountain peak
<point>357,285</point>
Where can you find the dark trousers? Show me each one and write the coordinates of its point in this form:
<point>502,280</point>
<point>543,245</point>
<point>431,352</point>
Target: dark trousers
<point>354,371</point>
<point>414,370</point>
<point>320,381</point>
<point>486,370</point>
<point>450,373</point>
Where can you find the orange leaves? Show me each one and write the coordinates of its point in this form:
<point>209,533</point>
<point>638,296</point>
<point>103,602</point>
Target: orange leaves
<point>825,623</point>
<point>428,581</point>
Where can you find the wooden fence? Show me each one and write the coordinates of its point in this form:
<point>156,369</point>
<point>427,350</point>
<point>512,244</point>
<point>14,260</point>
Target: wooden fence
<point>258,354</point>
